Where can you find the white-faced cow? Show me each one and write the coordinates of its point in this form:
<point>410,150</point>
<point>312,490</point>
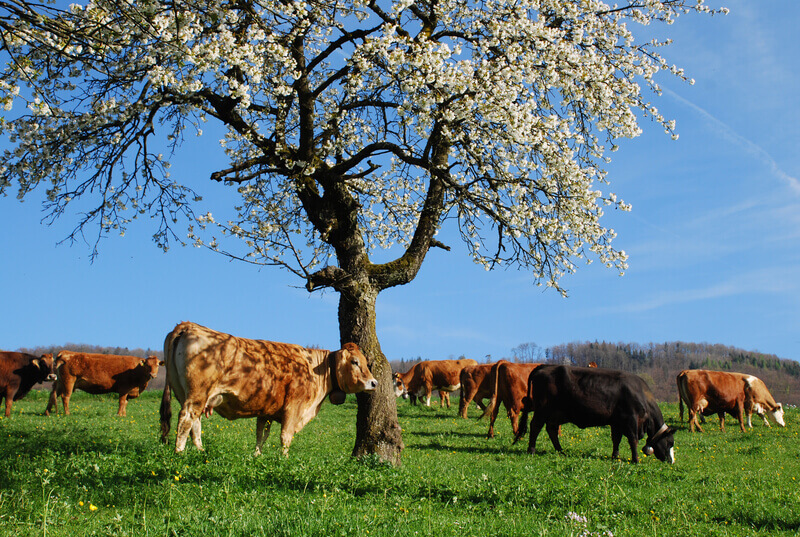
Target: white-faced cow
<point>720,392</point>
<point>424,377</point>
<point>245,378</point>
<point>19,372</point>
<point>594,397</point>
<point>126,376</point>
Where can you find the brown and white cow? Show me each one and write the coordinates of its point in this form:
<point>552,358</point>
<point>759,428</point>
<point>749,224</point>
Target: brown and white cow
<point>19,372</point>
<point>509,383</point>
<point>424,377</point>
<point>475,386</point>
<point>245,378</point>
<point>101,373</point>
<point>719,392</point>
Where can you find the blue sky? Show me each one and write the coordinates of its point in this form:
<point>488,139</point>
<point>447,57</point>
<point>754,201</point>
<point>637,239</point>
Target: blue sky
<point>713,239</point>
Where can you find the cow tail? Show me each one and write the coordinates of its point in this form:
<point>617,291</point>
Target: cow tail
<point>166,398</point>
<point>494,375</point>
<point>681,379</point>
<point>523,423</point>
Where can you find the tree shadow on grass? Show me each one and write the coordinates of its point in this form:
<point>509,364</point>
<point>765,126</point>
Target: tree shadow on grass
<point>761,522</point>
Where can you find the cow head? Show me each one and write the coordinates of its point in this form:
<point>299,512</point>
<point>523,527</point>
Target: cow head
<point>45,366</point>
<point>151,363</point>
<point>400,387</point>
<point>351,371</point>
<point>661,444</point>
<point>777,415</point>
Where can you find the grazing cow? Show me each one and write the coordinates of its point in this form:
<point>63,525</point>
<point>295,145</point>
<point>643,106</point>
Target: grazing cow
<point>475,386</point>
<point>19,372</point>
<point>430,375</point>
<point>594,397</point>
<point>719,392</point>
<point>101,373</point>
<point>245,378</point>
<point>509,385</point>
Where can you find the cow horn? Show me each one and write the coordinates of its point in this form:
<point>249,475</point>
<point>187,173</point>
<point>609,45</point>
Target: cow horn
<point>648,448</point>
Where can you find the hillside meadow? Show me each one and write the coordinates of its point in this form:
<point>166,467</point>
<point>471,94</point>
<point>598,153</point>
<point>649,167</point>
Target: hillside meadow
<point>92,473</point>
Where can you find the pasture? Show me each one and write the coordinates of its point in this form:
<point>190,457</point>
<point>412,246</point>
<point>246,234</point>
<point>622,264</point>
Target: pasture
<point>93,473</point>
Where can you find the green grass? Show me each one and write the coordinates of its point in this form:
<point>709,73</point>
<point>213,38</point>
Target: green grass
<point>92,473</point>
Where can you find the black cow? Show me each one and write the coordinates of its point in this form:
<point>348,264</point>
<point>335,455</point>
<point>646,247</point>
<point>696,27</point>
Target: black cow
<point>590,397</point>
<point>19,372</point>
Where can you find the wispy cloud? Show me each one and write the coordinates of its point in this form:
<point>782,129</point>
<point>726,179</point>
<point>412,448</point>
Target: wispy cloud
<point>766,281</point>
<point>752,148</point>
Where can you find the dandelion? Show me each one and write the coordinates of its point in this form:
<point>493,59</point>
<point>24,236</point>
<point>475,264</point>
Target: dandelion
<point>92,507</point>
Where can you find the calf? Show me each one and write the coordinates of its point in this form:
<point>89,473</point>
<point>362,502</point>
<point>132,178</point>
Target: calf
<point>594,397</point>
<point>19,372</point>
<point>101,373</point>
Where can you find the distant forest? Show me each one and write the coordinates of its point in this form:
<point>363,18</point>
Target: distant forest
<point>657,363</point>
<point>660,363</point>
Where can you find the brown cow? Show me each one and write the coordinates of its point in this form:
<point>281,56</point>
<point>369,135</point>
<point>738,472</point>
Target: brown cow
<point>245,378</point>
<point>475,386</point>
<point>430,375</point>
<point>509,383</point>
<point>717,392</point>
<point>101,373</point>
<point>19,372</point>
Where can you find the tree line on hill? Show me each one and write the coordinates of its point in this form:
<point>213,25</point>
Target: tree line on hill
<point>660,363</point>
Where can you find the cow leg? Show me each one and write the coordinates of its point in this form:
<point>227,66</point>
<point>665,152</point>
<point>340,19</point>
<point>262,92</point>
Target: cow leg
<point>445,398</point>
<point>616,438</point>
<point>262,432</point>
<point>463,405</point>
<point>514,418</point>
<point>740,410</point>
<point>123,405</point>
<point>552,432</point>
<point>634,443</point>
<point>66,393</point>
<point>190,413</point>
<point>693,423</point>
<point>52,402</point>
<point>428,397</point>
<point>9,401</point>
<point>536,428</point>
<point>493,418</point>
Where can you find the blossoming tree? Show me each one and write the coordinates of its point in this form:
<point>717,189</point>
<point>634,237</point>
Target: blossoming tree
<point>350,127</point>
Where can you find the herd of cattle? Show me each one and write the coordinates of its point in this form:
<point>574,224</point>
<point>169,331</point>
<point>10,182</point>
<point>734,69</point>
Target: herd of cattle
<point>211,371</point>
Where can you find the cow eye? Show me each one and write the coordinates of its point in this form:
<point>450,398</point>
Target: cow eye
<point>355,362</point>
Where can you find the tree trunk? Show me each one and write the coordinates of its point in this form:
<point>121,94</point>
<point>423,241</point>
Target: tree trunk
<point>377,429</point>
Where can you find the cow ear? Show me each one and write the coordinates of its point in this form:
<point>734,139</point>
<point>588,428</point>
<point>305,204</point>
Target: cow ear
<point>35,362</point>
<point>142,362</point>
<point>648,450</point>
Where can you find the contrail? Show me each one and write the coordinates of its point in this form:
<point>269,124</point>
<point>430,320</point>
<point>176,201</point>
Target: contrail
<point>749,146</point>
